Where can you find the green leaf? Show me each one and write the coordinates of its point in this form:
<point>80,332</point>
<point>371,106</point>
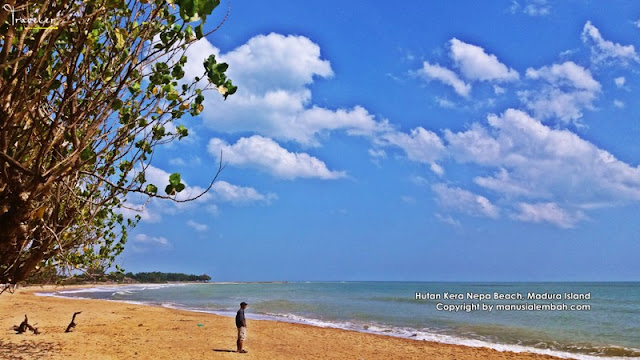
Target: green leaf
<point>206,7</point>
<point>172,96</point>
<point>188,9</point>
<point>182,131</point>
<point>117,104</point>
<point>177,72</point>
<point>158,132</point>
<point>121,34</point>
<point>87,154</point>
<point>174,179</point>
<point>152,189</point>
<point>222,67</point>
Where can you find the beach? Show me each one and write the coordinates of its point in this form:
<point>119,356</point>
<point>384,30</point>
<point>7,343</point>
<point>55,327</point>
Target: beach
<point>117,330</point>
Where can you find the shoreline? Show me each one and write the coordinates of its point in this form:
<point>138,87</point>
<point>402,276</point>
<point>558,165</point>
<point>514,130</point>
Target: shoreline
<point>105,319</point>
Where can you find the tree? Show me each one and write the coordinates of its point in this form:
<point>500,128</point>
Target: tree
<point>88,90</point>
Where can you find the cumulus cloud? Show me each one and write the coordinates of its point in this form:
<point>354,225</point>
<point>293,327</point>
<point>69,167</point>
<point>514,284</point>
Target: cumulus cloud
<point>267,155</point>
<point>476,64</point>
<point>568,89</point>
<point>277,61</point>
<point>446,76</point>
<point>239,195</point>
<point>464,201</point>
<point>536,166</point>
<point>151,209</point>
<point>420,145</point>
<point>547,212</point>
<point>620,81</point>
<point>617,103</point>
<point>197,226</point>
<point>273,73</point>
<point>566,74</point>
<point>536,162</point>
<point>603,51</point>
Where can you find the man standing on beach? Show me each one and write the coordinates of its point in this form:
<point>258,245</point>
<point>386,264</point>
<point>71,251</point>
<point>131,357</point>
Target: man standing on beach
<point>241,324</point>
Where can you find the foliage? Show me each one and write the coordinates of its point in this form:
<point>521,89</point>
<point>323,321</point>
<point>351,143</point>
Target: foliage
<point>98,275</point>
<point>86,96</point>
<point>160,277</point>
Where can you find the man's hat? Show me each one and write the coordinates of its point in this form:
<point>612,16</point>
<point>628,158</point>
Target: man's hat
<point>243,303</point>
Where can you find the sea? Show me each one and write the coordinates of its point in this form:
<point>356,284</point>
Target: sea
<point>581,320</point>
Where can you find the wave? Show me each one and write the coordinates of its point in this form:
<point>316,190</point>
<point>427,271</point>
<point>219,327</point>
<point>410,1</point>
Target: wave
<point>580,352</point>
<point>122,290</point>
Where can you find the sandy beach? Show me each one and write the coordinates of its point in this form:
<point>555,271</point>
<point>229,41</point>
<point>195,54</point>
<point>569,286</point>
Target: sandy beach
<point>113,330</point>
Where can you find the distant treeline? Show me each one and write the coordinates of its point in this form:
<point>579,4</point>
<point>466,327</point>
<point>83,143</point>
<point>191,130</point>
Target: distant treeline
<point>99,276</point>
<point>160,277</point>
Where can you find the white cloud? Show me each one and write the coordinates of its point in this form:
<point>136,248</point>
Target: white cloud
<point>537,8</point>
<point>620,81</point>
<point>547,212</point>
<point>445,103</point>
<point>502,182</point>
<point>569,89</point>
<point>152,209</point>
<point>239,195</point>
<point>537,162</point>
<point>377,153</point>
<point>464,201</point>
<point>160,178</point>
<point>276,61</point>
<point>445,76</point>
<point>178,161</point>
<point>130,210</point>
<point>476,64</point>
<point>144,243</point>
<point>419,180</point>
<point>603,51</point>
<point>273,73</point>
<point>498,90</point>
<point>619,104</point>
<point>420,145</point>
<point>531,7</point>
<point>197,53</point>
<point>447,219</point>
<point>553,103</point>
<point>197,226</point>
<point>566,74</point>
<point>265,154</point>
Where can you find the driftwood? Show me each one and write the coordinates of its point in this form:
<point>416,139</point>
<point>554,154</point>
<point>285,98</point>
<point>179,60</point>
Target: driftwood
<point>72,324</point>
<point>24,326</point>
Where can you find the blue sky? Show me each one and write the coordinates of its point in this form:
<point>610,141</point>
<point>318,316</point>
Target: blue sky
<point>452,141</point>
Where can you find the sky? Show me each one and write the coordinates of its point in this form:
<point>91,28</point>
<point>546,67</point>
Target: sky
<point>408,141</point>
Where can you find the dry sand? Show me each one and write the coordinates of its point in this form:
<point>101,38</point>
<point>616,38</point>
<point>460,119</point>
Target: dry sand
<point>112,330</point>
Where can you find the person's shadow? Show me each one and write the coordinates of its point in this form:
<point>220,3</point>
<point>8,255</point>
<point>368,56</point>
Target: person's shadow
<point>223,350</point>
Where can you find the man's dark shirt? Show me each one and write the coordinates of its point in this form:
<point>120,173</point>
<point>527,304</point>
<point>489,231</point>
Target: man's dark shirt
<point>240,321</point>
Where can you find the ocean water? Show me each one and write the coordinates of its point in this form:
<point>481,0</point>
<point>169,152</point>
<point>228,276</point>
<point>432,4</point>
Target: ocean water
<point>605,325</point>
